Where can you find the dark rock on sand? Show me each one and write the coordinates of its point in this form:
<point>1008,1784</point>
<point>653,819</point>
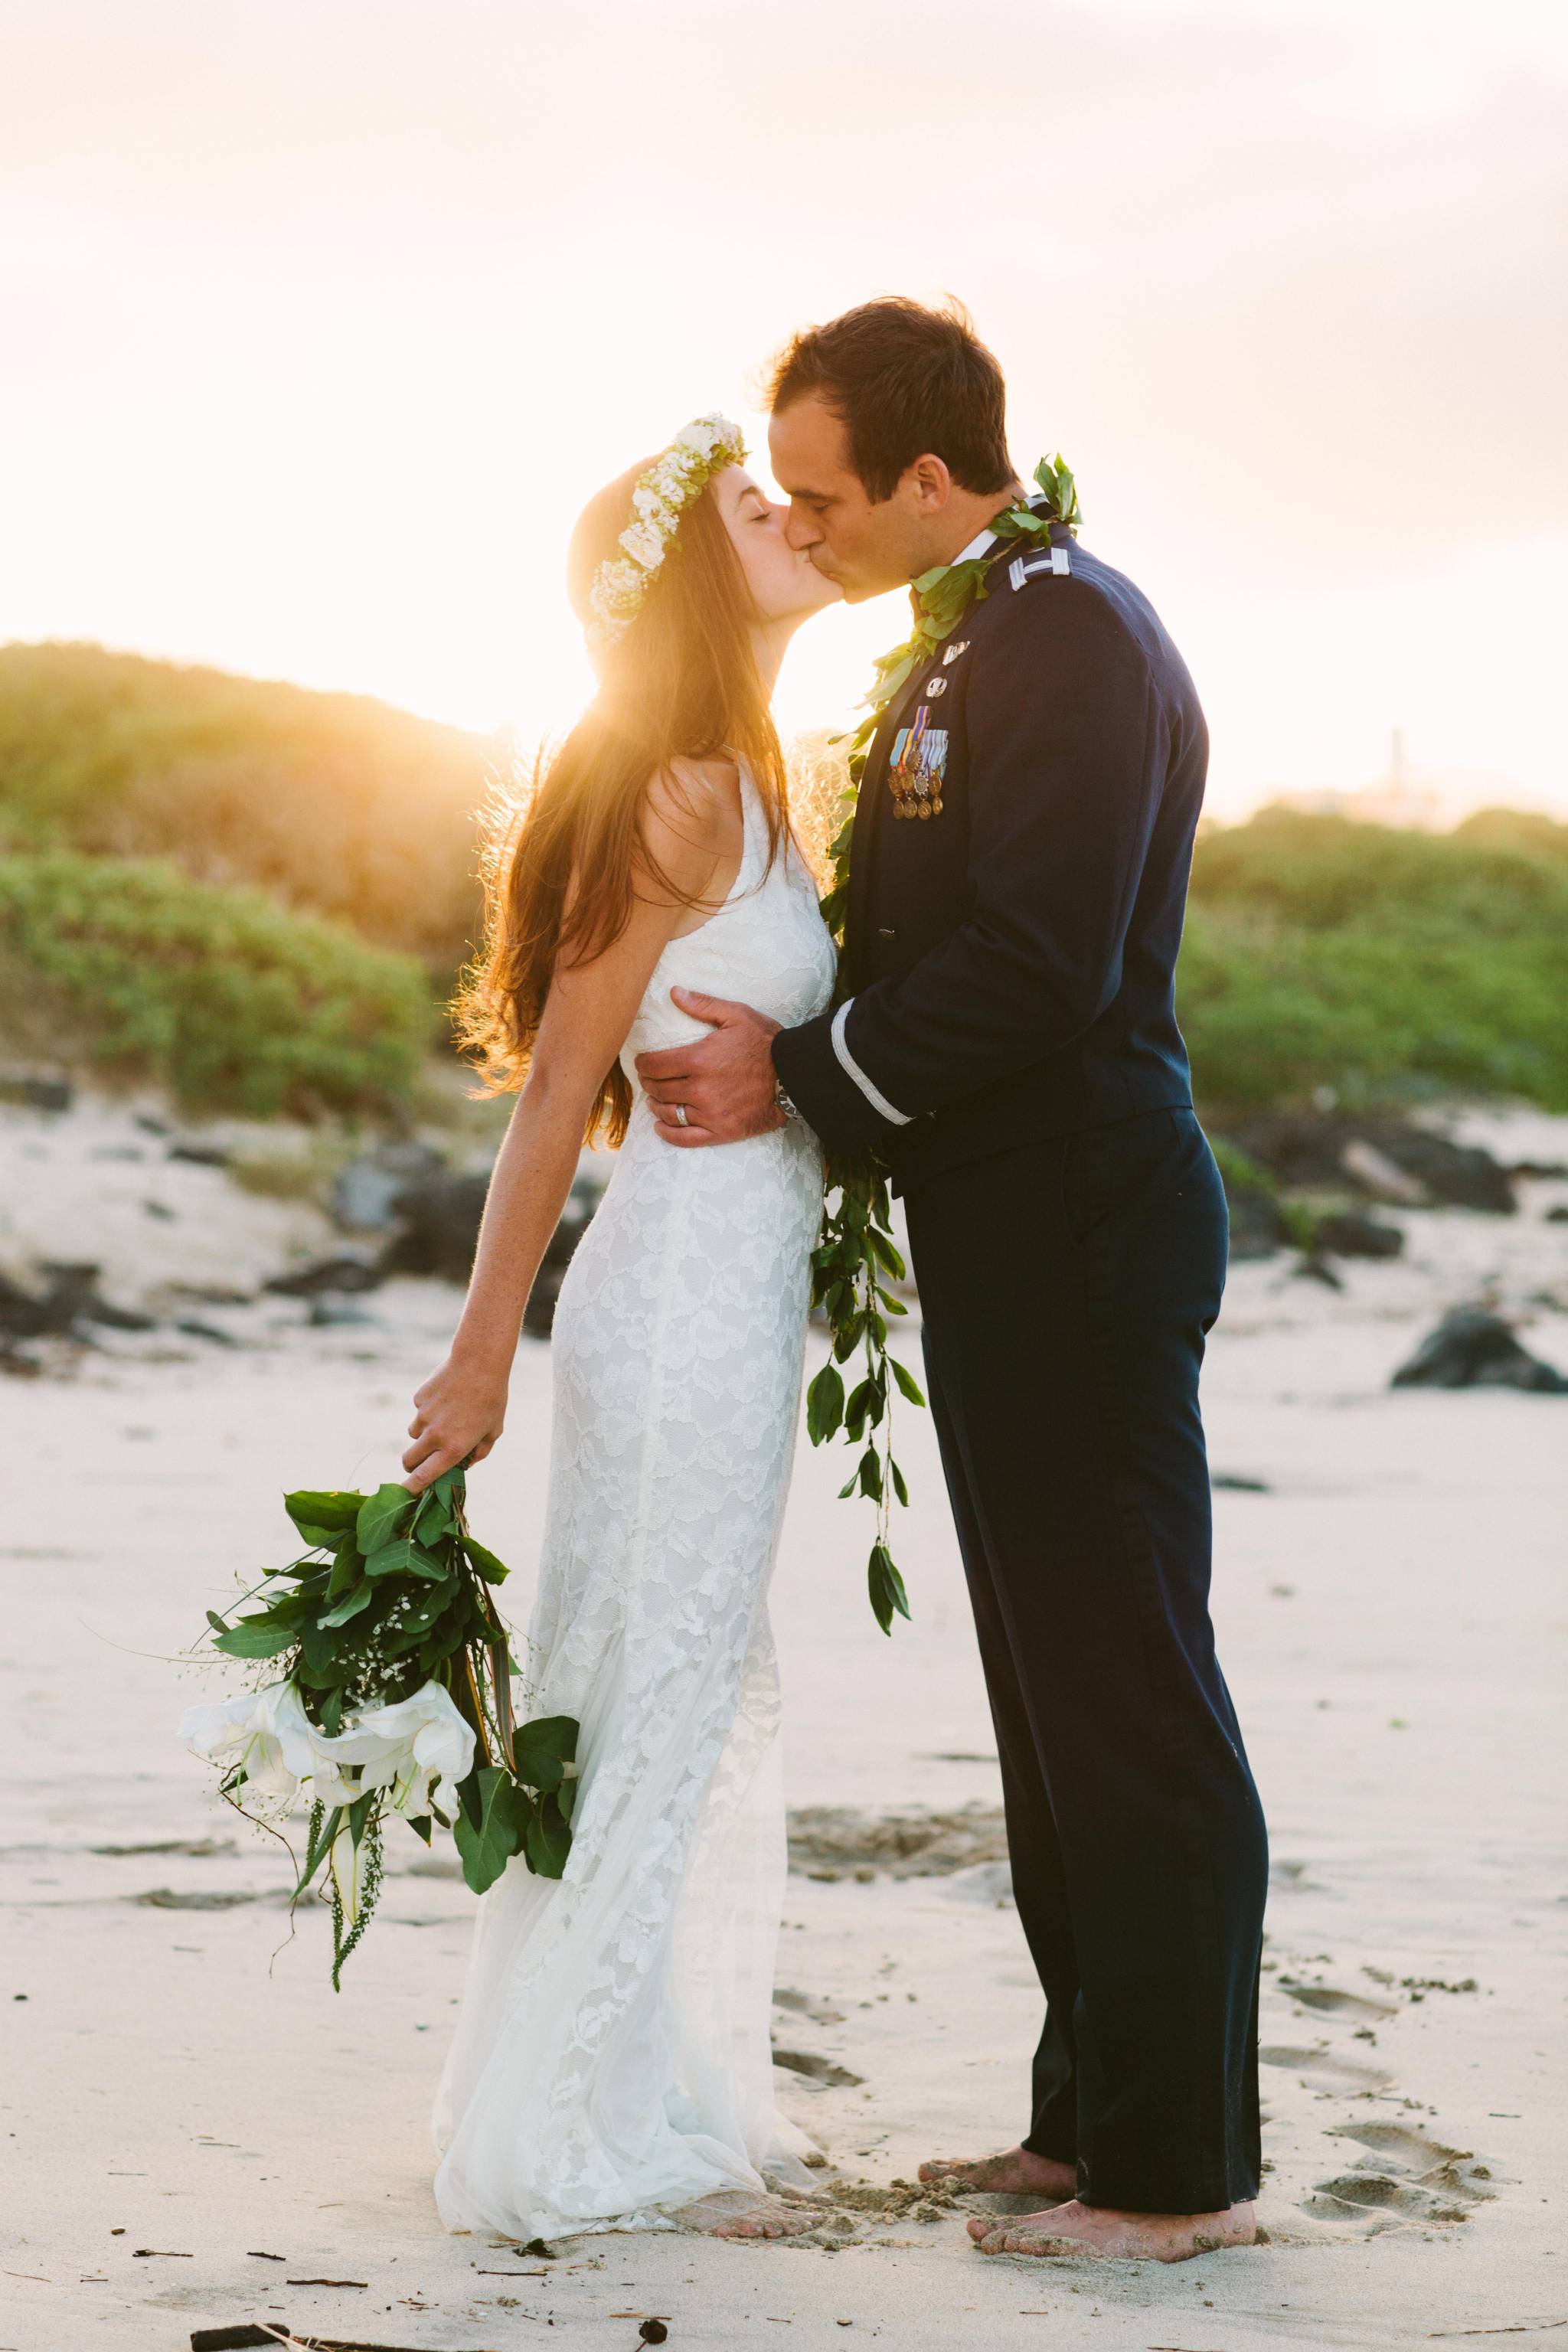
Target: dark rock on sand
<point>441,1227</point>
<point>200,1154</point>
<point>37,1089</point>
<point>69,1298</point>
<point>440,1224</point>
<point>1470,1349</point>
<point>1311,1268</point>
<point>1256,1223</point>
<point>1384,1158</point>
<point>343,1272</point>
<point>1352,1234</point>
<point>365,1193</point>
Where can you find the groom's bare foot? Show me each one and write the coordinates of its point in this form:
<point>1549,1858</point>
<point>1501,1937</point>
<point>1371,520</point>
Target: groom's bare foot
<point>738,2213</point>
<point>1075,2229</point>
<point>1018,2173</point>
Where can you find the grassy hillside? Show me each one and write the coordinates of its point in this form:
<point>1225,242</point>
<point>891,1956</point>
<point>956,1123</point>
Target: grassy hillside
<point>233,1002</point>
<point>1389,966</point>
<point>1392,966</point>
<point>329,801</point>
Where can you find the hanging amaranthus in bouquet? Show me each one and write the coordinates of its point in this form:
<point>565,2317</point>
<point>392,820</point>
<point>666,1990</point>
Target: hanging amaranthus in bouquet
<point>394,1695</point>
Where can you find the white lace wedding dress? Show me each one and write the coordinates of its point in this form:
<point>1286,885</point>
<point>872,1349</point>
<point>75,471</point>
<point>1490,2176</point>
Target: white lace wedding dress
<point>612,2054</point>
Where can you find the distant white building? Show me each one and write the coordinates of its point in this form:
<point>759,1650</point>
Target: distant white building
<point>1397,799</point>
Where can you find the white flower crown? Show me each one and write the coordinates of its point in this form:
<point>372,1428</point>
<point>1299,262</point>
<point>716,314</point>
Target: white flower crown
<point>660,498</point>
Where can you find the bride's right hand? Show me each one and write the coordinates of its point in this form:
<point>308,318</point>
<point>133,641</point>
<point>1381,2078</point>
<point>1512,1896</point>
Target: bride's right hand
<point>458,1416</point>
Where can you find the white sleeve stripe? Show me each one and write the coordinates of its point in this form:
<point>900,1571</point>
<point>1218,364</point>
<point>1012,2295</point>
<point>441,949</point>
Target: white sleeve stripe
<point>878,1100</point>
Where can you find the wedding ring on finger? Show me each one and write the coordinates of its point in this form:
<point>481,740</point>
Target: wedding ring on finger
<point>680,1117</point>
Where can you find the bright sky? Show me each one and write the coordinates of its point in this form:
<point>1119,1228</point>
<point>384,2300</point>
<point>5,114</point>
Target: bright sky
<point>321,318</point>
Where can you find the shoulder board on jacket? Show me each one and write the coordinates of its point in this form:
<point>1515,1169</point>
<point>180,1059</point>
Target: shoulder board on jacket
<point>1024,567</point>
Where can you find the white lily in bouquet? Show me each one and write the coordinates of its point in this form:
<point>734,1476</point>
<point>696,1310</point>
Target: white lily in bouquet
<point>398,1678</point>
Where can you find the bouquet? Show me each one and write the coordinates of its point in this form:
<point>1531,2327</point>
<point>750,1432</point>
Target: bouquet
<point>394,1695</point>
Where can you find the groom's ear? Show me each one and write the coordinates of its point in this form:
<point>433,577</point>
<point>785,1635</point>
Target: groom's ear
<point>927,484</point>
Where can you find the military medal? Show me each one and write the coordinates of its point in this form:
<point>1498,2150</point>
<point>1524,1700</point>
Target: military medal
<point>917,766</point>
<point>952,652</point>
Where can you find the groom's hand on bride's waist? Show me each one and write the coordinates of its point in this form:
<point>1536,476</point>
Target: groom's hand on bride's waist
<point>725,1083</point>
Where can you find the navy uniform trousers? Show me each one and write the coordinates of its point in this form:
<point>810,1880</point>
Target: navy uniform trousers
<point>1067,1287</point>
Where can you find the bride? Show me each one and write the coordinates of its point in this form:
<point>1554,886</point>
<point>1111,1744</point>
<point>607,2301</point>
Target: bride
<point>611,2066</point>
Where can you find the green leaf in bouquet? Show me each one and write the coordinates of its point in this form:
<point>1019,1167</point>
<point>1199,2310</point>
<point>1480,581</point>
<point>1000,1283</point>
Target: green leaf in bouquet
<point>870,1475</point>
<point>486,1829</point>
<point>332,1713</point>
<point>450,1486</point>
<point>359,1598</point>
<point>404,1556</point>
<point>434,1517</point>
<point>379,1518</point>
<point>447,1634</point>
<point>414,1627</point>
<point>345,1571</point>
<point>320,1516</point>
<point>887,1588</point>
<point>320,1648</point>
<point>541,1749</point>
<point>257,1637</point>
<point>548,1838</point>
<point>896,1475</point>
<point>219,1624</point>
<point>905,1382</point>
<point>421,1825</point>
<point>485,1562</point>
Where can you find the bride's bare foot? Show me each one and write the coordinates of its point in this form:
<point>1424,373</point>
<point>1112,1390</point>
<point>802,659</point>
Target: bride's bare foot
<point>1075,2229</point>
<point>1017,2173</point>
<point>740,2213</point>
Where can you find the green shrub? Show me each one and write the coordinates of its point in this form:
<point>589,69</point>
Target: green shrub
<point>331,802</point>
<point>1384,965</point>
<point>233,1002</point>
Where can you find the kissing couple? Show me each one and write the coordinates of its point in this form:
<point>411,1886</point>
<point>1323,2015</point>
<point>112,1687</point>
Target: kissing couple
<point>997,1034</point>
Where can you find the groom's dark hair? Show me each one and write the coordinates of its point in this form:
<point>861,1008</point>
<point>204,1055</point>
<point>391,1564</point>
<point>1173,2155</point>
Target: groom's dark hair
<point>905,380</point>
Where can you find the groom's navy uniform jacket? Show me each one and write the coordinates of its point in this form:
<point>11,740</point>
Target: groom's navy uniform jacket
<point>1008,974</point>
<point>1010,955</point>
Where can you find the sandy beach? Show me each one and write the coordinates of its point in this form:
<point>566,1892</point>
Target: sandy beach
<point>200,2133</point>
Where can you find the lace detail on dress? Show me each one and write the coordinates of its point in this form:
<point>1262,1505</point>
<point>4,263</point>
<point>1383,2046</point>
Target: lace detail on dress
<point>612,2054</point>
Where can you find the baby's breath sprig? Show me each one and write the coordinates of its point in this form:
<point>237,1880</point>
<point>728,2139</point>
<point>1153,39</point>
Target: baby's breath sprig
<point>854,1256</point>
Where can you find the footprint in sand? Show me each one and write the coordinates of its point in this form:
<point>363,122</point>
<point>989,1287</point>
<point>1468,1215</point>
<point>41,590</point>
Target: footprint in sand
<point>1335,2003</point>
<point>1407,2177</point>
<point>1321,2069</point>
<point>820,2073</point>
<point>821,2013</point>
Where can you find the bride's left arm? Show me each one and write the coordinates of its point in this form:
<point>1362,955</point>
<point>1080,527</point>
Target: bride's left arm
<point>460,1410</point>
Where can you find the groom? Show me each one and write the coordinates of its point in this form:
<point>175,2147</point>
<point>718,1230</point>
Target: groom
<point>1007,1042</point>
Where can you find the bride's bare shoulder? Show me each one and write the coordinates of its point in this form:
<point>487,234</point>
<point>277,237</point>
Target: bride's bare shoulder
<point>692,815</point>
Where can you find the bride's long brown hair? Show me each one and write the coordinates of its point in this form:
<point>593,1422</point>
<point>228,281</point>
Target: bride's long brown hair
<point>682,683</point>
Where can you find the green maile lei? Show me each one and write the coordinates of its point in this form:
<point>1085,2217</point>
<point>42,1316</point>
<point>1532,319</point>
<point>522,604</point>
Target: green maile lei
<point>856,1257</point>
